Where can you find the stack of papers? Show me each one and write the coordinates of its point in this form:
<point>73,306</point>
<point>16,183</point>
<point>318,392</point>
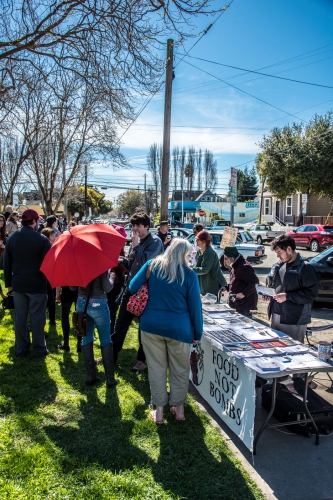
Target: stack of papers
<point>265,291</point>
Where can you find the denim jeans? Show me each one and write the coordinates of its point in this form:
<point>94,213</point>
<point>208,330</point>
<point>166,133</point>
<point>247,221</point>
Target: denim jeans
<point>98,315</point>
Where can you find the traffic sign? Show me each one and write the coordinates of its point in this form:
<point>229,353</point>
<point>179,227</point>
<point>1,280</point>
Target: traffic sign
<point>202,213</point>
<point>304,198</point>
<point>76,214</point>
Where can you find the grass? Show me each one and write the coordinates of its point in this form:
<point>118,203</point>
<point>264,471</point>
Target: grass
<point>63,440</point>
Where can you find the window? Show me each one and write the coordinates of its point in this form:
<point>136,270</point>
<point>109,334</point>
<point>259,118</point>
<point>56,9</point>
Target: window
<point>216,239</point>
<point>241,214</point>
<point>203,198</point>
<point>289,206</point>
<point>208,198</point>
<point>267,206</point>
<point>247,236</point>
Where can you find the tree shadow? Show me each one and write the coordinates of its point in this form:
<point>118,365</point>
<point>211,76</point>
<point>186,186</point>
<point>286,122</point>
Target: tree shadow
<point>196,473</point>
<point>26,383</point>
<point>100,436</point>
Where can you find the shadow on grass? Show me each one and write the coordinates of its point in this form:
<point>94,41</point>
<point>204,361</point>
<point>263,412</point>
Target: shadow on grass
<point>125,441</point>
<point>184,466</point>
<point>27,383</point>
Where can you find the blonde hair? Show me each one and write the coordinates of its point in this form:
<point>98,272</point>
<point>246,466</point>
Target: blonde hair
<point>172,264</point>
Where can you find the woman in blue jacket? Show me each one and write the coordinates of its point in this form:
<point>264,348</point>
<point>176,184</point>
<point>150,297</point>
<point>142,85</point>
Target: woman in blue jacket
<point>170,323</point>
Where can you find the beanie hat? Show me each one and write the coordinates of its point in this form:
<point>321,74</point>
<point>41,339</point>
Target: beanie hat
<point>231,252</point>
<point>30,215</point>
<point>120,230</point>
<point>203,236</point>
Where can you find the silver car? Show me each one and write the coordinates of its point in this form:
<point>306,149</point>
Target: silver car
<point>245,244</point>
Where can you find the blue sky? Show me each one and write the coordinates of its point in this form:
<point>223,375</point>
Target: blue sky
<point>290,38</point>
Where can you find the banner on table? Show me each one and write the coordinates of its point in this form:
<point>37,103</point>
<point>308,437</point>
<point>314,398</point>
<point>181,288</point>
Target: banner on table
<point>227,385</point>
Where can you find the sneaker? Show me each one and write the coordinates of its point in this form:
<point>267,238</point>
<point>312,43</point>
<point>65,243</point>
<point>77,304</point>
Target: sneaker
<point>139,367</point>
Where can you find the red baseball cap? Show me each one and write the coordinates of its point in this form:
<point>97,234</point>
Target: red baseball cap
<point>30,215</point>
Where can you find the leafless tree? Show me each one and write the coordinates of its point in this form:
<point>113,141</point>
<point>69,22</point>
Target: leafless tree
<point>61,129</point>
<point>198,162</point>
<point>190,168</point>
<point>154,164</point>
<point>175,163</point>
<point>182,161</point>
<point>97,39</point>
<point>210,170</point>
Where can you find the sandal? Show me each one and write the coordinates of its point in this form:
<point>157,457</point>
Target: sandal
<point>173,411</point>
<point>152,415</point>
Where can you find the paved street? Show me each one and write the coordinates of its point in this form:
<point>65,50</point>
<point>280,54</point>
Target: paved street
<point>287,466</point>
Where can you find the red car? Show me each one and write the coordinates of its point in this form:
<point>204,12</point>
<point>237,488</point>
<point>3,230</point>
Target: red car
<point>314,236</point>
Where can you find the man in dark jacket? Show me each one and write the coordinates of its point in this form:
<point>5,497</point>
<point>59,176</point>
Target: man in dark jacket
<point>242,285</point>
<point>144,247</point>
<point>164,234</point>
<point>24,254</point>
<point>296,287</point>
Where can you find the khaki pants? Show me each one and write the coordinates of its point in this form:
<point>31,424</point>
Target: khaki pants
<point>163,353</point>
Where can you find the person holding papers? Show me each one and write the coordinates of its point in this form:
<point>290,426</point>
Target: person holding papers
<point>296,287</point>
<point>242,286</point>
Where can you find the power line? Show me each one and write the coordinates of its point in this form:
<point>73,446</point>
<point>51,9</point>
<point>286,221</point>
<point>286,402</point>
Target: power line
<point>260,73</point>
<point>279,63</point>
<point>244,92</point>
<point>159,88</point>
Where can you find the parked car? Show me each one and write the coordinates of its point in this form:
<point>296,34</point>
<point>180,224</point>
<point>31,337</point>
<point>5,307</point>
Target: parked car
<point>245,245</point>
<point>323,265</point>
<point>263,232</point>
<point>314,236</point>
<point>180,232</point>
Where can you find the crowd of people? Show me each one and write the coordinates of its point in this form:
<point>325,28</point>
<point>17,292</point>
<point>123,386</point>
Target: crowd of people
<point>177,274</point>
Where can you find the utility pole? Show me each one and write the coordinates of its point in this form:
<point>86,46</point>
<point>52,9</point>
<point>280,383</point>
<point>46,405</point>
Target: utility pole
<point>166,131</point>
<point>145,189</point>
<point>86,190</point>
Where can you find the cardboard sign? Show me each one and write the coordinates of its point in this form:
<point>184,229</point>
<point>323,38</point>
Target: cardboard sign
<point>229,236</point>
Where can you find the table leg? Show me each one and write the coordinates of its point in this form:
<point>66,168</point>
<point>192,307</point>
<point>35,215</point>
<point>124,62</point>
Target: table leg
<point>306,408</point>
<point>264,425</point>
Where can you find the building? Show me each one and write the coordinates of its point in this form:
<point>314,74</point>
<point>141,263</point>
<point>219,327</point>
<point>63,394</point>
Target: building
<point>206,195</point>
<point>209,205</point>
<point>314,211</point>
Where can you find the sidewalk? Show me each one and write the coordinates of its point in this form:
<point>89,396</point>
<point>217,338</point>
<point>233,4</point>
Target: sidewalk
<point>287,466</point>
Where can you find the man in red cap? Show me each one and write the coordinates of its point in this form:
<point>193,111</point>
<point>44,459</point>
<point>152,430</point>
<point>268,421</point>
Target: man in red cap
<point>24,254</point>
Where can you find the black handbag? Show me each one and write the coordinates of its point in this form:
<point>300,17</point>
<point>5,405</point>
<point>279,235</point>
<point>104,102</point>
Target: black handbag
<point>80,318</point>
<point>8,301</point>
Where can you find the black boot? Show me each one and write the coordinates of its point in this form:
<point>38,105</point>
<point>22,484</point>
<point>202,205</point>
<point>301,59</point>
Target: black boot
<point>88,358</point>
<point>107,355</point>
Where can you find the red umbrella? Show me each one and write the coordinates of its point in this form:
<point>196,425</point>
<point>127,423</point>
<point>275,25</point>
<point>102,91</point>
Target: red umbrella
<point>81,254</point>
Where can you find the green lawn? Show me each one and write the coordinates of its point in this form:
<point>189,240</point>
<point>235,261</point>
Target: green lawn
<point>63,440</point>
